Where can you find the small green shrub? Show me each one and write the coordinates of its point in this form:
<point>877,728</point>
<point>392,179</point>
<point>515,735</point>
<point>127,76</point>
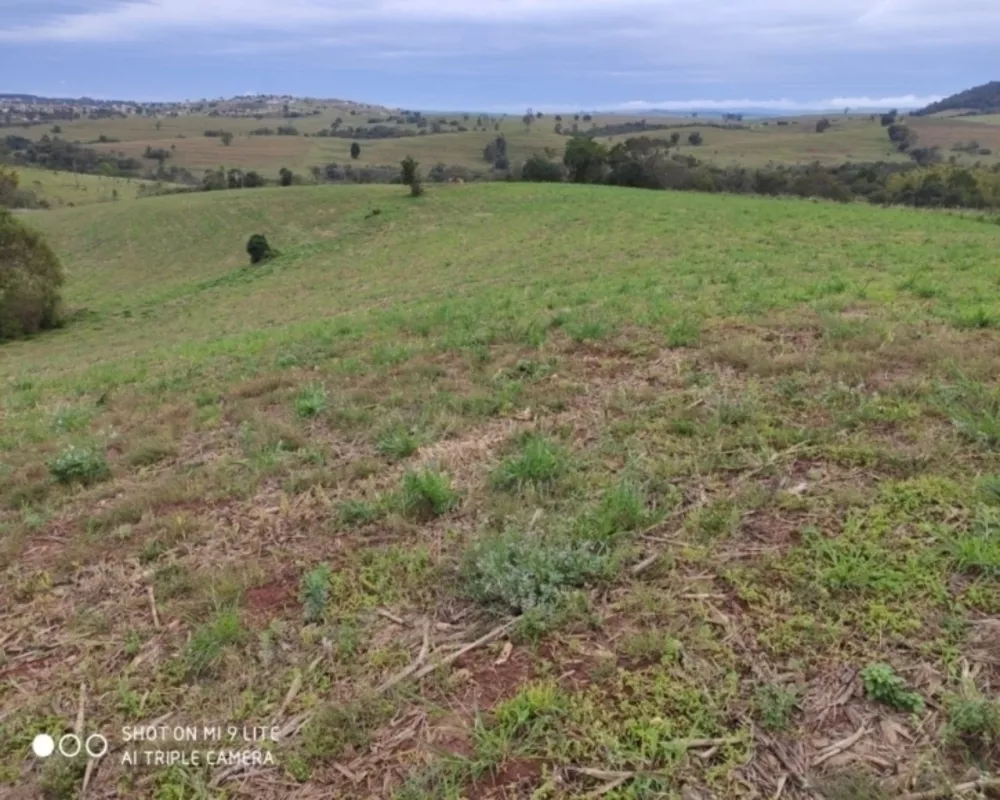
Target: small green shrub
<point>774,706</point>
<point>883,685</point>
<point>80,465</point>
<point>258,249</point>
<point>427,494</point>
<point>520,571</point>
<point>316,592</point>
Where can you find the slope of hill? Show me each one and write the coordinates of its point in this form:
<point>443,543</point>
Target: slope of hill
<point>983,99</point>
<point>665,482</point>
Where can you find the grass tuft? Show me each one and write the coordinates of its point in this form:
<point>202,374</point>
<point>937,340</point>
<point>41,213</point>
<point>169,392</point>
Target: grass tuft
<point>539,462</point>
<point>426,494</point>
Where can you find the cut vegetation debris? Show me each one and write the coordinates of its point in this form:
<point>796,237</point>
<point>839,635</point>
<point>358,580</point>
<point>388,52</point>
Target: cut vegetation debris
<point>565,490</point>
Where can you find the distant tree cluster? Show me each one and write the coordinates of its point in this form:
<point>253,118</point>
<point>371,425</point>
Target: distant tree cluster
<point>60,154</point>
<point>13,196</point>
<point>495,153</point>
<point>645,163</point>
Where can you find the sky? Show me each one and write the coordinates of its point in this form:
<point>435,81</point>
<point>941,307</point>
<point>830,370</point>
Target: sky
<point>506,55</point>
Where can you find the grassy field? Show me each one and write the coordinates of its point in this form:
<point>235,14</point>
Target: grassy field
<point>70,188</point>
<point>852,138</point>
<point>511,488</point>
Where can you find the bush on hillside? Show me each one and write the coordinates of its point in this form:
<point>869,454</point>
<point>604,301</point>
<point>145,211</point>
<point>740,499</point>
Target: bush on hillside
<point>540,170</point>
<point>30,278</point>
<point>410,176</point>
<point>259,249</point>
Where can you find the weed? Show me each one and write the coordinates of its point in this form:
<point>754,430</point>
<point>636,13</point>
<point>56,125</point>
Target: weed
<point>973,721</point>
<point>426,494</point>
<point>315,592</point>
<point>683,333</point>
<point>333,728</point>
<point>150,451</point>
<point>521,571</point>
<point>774,706</point>
<point>311,401</point>
<point>652,647</point>
<point>356,513</point>
<point>850,785</point>
<point>883,685</point>
<point>398,442</point>
<point>80,465</point>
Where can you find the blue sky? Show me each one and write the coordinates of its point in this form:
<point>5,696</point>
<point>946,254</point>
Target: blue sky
<point>505,55</point>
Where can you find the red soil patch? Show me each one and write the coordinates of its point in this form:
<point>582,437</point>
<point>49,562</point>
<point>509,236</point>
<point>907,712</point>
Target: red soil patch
<point>266,601</point>
<point>514,777</point>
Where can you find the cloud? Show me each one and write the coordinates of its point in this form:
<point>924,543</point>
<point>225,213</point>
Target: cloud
<point>757,22</point>
<point>830,104</point>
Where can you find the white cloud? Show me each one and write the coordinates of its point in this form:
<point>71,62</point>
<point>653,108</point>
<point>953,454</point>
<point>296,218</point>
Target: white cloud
<point>755,23</point>
<point>830,104</point>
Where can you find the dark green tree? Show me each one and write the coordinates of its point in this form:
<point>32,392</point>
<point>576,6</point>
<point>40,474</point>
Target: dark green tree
<point>585,159</point>
<point>285,176</point>
<point>30,279</point>
<point>355,150</point>
<point>410,176</point>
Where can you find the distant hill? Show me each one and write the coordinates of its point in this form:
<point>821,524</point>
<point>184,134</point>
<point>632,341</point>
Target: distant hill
<point>983,99</point>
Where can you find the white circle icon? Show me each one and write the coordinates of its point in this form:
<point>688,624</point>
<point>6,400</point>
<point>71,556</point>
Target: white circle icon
<point>43,745</point>
<point>68,741</point>
<point>101,742</point>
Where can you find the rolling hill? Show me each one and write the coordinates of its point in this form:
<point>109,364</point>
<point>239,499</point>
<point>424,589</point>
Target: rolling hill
<point>510,487</point>
<point>983,99</point>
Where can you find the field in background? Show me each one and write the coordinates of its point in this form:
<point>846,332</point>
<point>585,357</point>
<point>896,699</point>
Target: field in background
<point>714,471</point>
<point>852,138</point>
<point>71,188</point>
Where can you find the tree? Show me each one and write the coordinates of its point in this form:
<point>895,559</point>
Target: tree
<point>695,139</point>
<point>541,170</point>
<point>355,150</point>
<point>822,125</point>
<point>558,128</point>
<point>902,137</point>
<point>227,138</point>
<point>9,181</point>
<point>252,180</point>
<point>675,138</point>
<point>585,159</point>
<point>56,130</point>
<point>411,176</point>
<point>528,118</point>
<point>285,176</point>
<point>30,280</point>
<point>889,118</point>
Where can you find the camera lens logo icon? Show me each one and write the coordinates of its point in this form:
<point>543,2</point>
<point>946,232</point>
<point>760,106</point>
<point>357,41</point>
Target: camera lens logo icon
<point>70,745</point>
